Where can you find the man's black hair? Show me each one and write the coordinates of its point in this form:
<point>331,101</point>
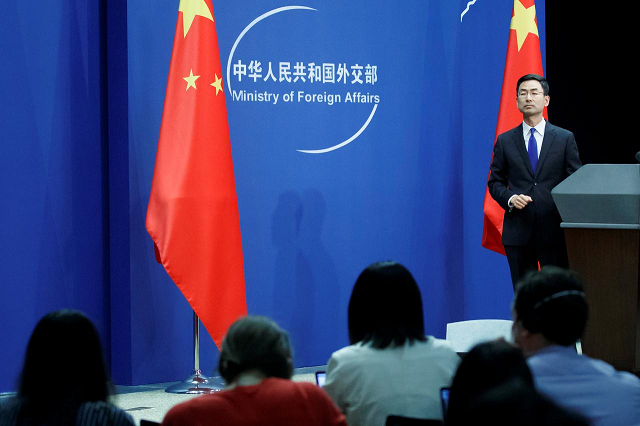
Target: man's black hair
<point>543,82</point>
<point>552,302</point>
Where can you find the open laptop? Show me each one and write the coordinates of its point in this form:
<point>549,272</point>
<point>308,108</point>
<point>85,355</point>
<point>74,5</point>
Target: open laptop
<point>444,399</point>
<point>321,377</point>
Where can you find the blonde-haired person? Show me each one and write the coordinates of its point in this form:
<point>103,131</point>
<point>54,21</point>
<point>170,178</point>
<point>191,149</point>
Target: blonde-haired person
<point>256,363</point>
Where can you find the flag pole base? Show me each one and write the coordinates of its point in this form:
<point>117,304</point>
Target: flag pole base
<point>197,384</point>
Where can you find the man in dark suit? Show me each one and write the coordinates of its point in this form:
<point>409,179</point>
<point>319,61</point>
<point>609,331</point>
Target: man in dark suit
<point>528,162</point>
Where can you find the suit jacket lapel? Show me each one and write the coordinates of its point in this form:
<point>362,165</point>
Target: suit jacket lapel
<point>518,139</point>
<point>547,141</point>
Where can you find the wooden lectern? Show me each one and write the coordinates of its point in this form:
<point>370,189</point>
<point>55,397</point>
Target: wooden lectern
<point>600,209</point>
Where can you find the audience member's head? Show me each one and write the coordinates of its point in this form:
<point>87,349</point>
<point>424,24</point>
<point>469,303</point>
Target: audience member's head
<point>549,307</point>
<point>385,307</point>
<point>486,366</point>
<point>63,368</point>
<point>516,403</point>
<point>493,385</point>
<point>255,344</point>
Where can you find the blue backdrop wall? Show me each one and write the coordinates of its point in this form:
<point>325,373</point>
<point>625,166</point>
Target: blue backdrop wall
<point>412,121</point>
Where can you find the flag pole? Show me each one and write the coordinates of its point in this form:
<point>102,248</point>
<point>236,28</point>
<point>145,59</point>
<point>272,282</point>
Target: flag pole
<point>196,383</point>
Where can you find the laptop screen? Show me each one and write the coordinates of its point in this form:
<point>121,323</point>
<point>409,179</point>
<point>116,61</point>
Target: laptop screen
<point>444,398</point>
<point>321,376</point>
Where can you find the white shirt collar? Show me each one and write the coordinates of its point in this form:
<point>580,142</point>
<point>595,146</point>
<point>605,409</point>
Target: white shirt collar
<point>539,128</point>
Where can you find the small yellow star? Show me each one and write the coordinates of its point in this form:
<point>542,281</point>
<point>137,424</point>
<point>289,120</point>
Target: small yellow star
<point>523,21</point>
<point>217,84</point>
<point>191,8</point>
<point>191,80</point>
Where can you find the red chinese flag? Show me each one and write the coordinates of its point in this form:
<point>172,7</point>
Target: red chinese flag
<point>523,57</point>
<point>193,209</point>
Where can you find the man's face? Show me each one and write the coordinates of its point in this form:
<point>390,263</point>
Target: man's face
<point>531,100</point>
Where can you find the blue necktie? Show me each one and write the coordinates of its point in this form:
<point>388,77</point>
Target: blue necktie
<point>533,150</point>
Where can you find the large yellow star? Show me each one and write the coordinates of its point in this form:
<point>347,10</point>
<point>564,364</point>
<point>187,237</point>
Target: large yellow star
<point>217,84</point>
<point>191,8</point>
<point>191,80</point>
<point>523,21</point>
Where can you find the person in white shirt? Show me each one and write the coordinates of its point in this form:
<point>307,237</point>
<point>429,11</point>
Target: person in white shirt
<point>391,366</point>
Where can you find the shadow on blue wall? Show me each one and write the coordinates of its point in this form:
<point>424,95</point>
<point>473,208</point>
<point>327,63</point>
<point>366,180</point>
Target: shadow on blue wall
<point>305,291</point>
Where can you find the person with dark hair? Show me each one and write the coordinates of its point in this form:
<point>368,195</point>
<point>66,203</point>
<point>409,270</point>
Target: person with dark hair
<point>516,403</point>
<point>550,314</point>
<point>485,366</point>
<point>390,367</point>
<point>64,379</point>
<point>493,385</point>
<point>528,162</point>
<point>256,363</point>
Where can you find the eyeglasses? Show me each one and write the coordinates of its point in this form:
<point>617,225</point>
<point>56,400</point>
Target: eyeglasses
<point>533,93</point>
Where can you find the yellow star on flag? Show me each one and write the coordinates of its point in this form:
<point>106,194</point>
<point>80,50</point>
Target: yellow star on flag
<point>523,21</point>
<point>190,9</point>
<point>191,80</point>
<point>217,84</point>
